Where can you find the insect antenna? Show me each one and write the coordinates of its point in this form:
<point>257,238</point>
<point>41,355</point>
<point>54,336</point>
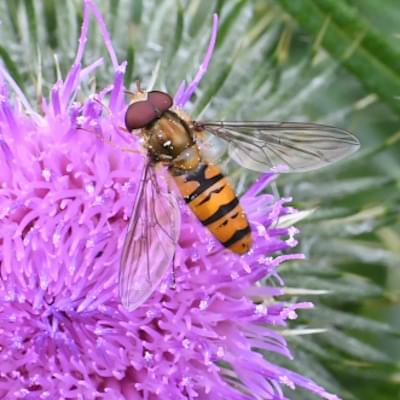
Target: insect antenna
<point>110,142</point>
<point>102,105</point>
<point>109,112</point>
<point>129,92</point>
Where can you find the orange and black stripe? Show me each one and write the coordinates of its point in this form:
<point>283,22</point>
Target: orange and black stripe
<point>211,198</point>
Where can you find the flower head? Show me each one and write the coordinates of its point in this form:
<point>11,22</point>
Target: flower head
<point>65,199</point>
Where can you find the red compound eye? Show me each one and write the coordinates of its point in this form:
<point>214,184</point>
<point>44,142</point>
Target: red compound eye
<point>139,114</point>
<point>142,113</point>
<point>160,100</point>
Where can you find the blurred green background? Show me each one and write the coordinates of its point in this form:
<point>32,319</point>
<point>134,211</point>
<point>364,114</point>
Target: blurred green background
<point>329,61</point>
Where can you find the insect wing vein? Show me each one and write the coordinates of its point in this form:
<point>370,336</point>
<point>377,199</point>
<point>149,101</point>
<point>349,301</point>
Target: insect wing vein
<point>150,242</point>
<point>287,146</point>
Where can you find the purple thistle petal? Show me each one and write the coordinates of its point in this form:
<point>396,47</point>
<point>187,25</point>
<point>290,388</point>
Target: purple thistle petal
<point>4,73</point>
<point>185,93</point>
<point>72,79</point>
<point>87,71</point>
<point>71,83</point>
<point>6,152</point>
<point>117,94</point>
<point>179,93</point>
<point>261,183</point>
<point>104,33</point>
<point>55,99</point>
<point>83,35</point>
<point>8,118</point>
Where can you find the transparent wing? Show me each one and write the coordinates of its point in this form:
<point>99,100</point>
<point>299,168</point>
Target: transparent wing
<point>286,146</point>
<point>150,242</point>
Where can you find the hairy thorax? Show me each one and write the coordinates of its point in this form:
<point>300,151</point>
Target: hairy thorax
<point>171,140</point>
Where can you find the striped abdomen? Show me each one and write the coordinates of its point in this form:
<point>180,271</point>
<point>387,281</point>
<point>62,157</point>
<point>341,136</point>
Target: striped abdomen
<point>215,204</point>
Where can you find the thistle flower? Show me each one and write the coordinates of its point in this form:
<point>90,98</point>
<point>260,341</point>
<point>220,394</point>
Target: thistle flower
<point>66,195</point>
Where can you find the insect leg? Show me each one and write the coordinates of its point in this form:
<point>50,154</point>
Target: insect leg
<point>146,238</point>
<point>173,286</point>
<point>109,142</point>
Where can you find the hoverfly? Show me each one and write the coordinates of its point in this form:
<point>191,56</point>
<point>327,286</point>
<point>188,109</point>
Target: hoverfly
<point>169,137</point>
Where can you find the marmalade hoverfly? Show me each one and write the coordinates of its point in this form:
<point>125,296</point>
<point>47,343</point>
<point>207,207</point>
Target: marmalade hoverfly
<point>169,137</point>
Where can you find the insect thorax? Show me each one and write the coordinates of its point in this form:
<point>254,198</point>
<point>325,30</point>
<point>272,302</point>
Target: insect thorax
<point>169,139</point>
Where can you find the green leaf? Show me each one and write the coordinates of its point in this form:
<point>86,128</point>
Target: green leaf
<point>11,67</point>
<point>350,39</point>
